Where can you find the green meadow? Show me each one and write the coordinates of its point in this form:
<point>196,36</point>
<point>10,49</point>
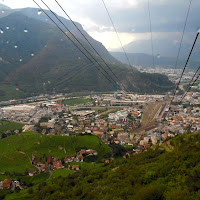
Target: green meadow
<point>75,101</point>
<point>16,151</point>
<point>61,172</point>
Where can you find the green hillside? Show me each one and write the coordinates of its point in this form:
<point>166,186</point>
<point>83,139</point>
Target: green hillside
<point>157,174</point>
<point>16,151</point>
<point>8,92</point>
<point>11,126</point>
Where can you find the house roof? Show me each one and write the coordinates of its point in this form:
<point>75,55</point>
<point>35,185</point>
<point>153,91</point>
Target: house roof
<point>80,156</point>
<point>45,166</point>
<point>50,159</point>
<point>68,159</point>
<point>6,183</point>
<point>82,151</point>
<point>37,160</point>
<point>57,164</point>
<point>75,166</point>
<point>32,171</point>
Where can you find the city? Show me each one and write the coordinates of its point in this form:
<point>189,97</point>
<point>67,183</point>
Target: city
<point>126,119</point>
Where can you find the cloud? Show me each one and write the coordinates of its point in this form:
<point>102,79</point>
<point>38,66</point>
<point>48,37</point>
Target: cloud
<point>130,16</point>
<point>18,3</point>
<point>110,38</point>
<point>123,5</point>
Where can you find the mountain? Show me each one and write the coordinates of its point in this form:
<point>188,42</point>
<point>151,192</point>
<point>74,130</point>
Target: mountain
<point>35,13</point>
<point>3,7</point>
<point>36,57</point>
<point>145,60</point>
<point>167,49</point>
<point>164,47</point>
<point>5,10</point>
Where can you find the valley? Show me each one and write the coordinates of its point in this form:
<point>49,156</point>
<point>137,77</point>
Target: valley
<point>99,100</point>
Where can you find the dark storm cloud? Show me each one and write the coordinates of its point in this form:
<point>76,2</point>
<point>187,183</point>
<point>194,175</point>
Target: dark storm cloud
<point>166,16</point>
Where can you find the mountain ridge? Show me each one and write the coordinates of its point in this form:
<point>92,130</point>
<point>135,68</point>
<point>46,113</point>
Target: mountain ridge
<point>166,48</point>
<point>4,7</point>
<point>145,60</point>
<point>40,59</point>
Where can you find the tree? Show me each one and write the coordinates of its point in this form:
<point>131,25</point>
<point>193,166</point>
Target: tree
<point>3,135</point>
<point>44,119</point>
<point>118,150</point>
<point>60,114</point>
<point>30,191</point>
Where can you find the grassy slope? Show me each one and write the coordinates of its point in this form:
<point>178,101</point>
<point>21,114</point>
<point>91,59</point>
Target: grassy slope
<point>61,172</point>
<point>5,125</point>
<point>12,148</point>
<point>8,92</point>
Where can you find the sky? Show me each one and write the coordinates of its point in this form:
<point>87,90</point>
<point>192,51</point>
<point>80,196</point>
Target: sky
<point>130,17</point>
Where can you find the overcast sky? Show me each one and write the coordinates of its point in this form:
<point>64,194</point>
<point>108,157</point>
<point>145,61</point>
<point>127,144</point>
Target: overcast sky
<point>130,18</point>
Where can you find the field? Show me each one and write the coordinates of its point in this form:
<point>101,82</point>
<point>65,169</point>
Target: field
<point>72,102</point>
<point>16,151</point>
<point>5,125</point>
<point>61,172</point>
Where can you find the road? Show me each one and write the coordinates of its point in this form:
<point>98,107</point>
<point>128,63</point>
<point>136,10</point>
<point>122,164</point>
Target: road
<point>96,108</point>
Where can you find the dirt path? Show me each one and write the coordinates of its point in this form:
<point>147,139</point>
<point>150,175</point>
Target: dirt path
<point>50,174</point>
<point>26,156</point>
